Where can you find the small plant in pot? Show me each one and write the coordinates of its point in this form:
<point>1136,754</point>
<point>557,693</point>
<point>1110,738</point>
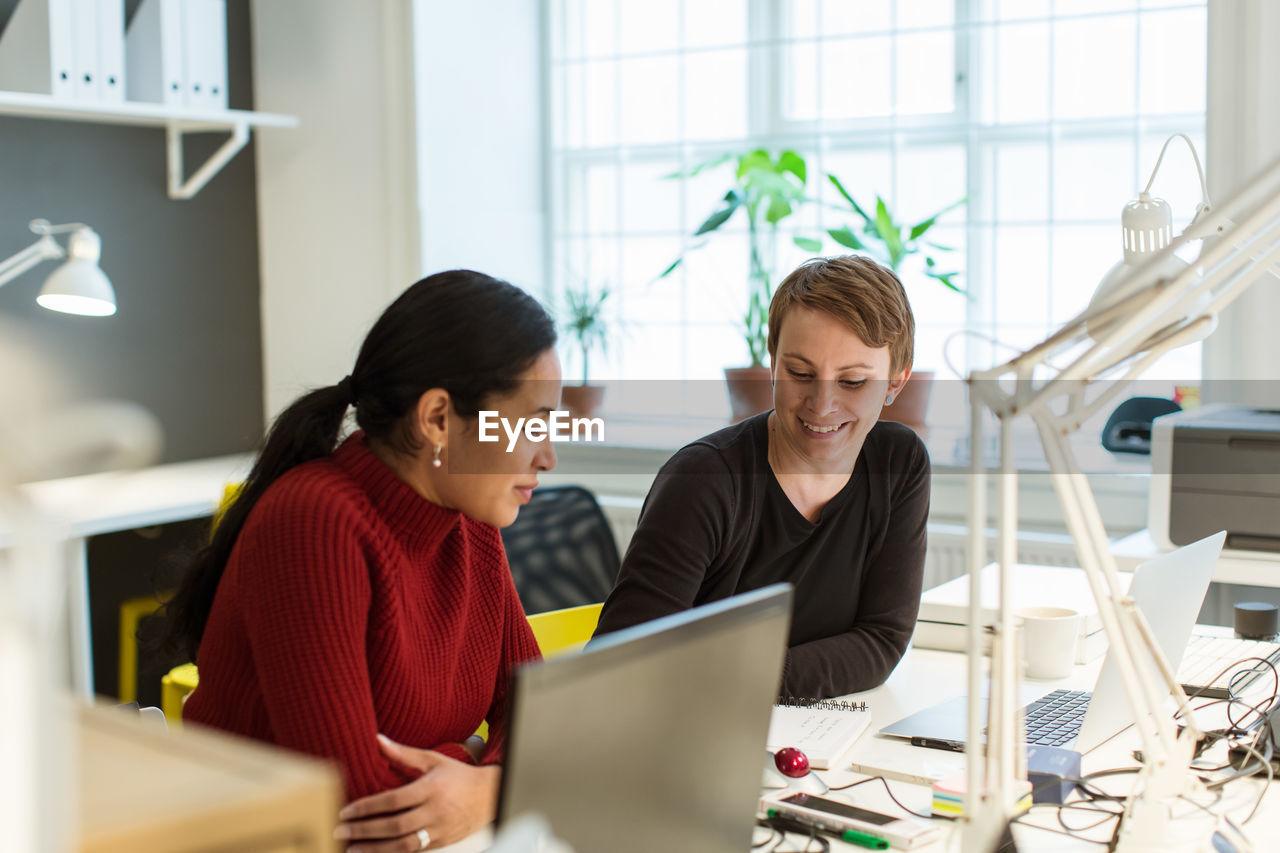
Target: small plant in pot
<point>586,327</point>
<point>891,243</point>
<point>766,189</point>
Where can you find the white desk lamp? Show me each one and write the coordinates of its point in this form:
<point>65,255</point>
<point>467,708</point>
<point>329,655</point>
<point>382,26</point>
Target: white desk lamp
<point>78,286</point>
<point>1152,305</point>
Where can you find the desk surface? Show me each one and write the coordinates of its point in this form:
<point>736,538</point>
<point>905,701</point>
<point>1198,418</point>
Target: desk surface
<point>124,500</point>
<point>143,788</point>
<point>927,676</point>
<point>1245,567</point>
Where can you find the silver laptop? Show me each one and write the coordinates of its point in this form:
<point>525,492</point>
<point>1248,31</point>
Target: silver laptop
<point>1169,590</point>
<point>651,738</point>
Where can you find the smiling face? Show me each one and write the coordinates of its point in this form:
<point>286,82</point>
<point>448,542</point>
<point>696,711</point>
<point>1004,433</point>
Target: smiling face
<point>829,388</point>
<point>481,479</point>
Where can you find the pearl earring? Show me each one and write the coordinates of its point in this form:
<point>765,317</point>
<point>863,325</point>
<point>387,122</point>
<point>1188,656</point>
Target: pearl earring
<point>435,457</point>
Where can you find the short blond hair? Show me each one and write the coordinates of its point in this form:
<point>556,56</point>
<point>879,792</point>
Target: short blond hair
<point>865,296</point>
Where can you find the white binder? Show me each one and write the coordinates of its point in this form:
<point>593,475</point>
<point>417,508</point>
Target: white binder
<point>37,49</point>
<point>153,53</point>
<point>111,75</point>
<point>84,25</point>
<point>205,53</point>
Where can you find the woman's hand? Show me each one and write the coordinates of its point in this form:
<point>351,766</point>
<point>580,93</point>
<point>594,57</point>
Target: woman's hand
<point>447,802</point>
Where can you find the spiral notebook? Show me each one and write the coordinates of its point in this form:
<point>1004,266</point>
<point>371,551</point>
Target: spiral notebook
<point>824,731</point>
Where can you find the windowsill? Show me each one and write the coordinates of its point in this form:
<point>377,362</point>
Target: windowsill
<point>948,445</point>
<point>637,446</point>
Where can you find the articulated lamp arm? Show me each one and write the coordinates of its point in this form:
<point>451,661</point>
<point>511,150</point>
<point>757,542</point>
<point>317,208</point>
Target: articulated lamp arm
<point>1146,314</point>
<point>44,249</point>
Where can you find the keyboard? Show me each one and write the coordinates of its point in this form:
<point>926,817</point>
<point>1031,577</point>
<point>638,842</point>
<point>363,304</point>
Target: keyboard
<point>1054,719</point>
<point>1203,664</point>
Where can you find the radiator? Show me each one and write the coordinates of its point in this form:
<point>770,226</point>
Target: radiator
<point>622,513</point>
<point>946,558</point>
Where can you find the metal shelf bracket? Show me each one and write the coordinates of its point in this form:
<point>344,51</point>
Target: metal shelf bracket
<point>182,187</point>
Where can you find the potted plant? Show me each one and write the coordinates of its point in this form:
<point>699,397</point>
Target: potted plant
<point>891,243</point>
<point>766,189</point>
<point>586,327</point>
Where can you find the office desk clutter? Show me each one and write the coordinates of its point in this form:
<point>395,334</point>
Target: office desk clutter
<point>821,731</point>
<point>944,613</point>
<point>789,768</point>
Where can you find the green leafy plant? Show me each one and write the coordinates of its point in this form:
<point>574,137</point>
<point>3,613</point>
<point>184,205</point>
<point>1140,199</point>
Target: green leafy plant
<point>585,323</point>
<point>889,241</point>
<point>766,189</point>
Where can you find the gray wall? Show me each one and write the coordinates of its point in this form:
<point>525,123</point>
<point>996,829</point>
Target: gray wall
<point>186,340</point>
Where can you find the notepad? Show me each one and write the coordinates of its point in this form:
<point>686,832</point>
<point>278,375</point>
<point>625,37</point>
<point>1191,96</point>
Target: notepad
<point>823,734</point>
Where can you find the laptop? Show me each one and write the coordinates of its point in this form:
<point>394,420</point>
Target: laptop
<point>1169,590</point>
<point>651,738</point>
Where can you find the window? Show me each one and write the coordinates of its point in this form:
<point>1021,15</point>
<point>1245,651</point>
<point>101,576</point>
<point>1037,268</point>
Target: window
<point>1047,115</point>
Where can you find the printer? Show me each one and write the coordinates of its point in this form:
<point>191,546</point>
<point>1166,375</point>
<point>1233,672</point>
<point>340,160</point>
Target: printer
<point>1217,467</point>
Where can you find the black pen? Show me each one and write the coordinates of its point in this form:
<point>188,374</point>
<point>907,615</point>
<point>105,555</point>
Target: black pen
<point>936,743</point>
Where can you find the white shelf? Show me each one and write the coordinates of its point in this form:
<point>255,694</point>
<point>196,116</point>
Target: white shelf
<point>175,120</point>
<point>135,112</point>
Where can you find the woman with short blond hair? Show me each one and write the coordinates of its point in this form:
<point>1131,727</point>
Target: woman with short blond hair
<point>818,492</point>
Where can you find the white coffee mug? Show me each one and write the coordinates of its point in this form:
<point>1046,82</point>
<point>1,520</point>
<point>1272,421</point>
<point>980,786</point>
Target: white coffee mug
<point>1048,640</point>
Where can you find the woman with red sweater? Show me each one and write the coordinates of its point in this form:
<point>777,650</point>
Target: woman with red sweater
<point>355,602</point>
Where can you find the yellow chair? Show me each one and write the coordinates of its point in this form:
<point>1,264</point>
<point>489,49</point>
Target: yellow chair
<point>559,632</point>
<point>174,687</point>
<point>134,610</point>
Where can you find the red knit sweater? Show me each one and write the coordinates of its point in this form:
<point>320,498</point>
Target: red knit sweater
<point>350,606</point>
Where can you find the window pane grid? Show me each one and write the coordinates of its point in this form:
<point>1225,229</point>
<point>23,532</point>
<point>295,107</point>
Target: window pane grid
<point>1029,256</point>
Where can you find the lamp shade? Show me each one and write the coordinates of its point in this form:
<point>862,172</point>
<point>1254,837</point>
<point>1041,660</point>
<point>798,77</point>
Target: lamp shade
<point>79,286</point>
<point>1147,224</point>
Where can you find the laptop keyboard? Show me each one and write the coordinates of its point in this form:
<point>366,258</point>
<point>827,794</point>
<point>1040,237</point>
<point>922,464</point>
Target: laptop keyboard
<point>1054,719</point>
<point>1202,670</point>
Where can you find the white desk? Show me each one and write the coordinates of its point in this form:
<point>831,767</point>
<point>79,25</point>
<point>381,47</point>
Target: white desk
<point>925,677</point>
<point>1244,567</point>
<point>105,503</point>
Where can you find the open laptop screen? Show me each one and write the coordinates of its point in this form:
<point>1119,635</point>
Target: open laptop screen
<point>652,738</point>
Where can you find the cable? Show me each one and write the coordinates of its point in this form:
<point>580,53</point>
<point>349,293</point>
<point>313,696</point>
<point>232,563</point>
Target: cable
<point>783,825</point>
<point>888,791</point>
<point>1068,833</point>
<point>1204,189</point>
<point>971,333</point>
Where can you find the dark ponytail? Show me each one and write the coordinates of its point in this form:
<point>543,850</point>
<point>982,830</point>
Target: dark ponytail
<point>463,331</point>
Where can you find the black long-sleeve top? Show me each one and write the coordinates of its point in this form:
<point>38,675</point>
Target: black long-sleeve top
<point>717,523</point>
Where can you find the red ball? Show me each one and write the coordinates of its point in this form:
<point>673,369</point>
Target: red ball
<point>791,762</point>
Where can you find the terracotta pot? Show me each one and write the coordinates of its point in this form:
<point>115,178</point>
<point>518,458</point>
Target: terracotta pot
<point>911,405</point>
<point>582,401</point>
<point>750,391</point>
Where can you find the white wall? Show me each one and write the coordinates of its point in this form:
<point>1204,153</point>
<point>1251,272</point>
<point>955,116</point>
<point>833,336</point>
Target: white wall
<point>1243,136</point>
<point>480,167</point>
<point>340,225</point>
<point>337,212</point>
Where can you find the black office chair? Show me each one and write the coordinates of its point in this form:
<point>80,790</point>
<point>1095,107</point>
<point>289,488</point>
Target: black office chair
<point>561,550</point>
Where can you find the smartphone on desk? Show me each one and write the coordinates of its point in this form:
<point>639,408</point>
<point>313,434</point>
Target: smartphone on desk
<point>835,816</point>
